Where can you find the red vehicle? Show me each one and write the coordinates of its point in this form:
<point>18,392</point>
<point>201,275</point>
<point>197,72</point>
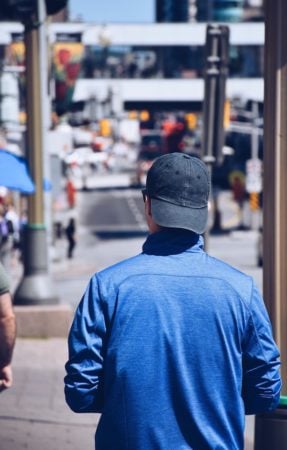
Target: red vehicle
<point>152,146</point>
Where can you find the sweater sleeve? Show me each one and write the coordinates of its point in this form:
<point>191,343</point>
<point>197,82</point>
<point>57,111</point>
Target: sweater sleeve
<point>86,342</point>
<point>261,363</point>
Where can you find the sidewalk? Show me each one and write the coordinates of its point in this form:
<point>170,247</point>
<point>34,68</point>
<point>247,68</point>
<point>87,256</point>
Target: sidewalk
<point>33,414</point>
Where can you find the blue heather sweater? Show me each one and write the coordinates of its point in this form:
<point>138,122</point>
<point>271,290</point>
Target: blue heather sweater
<point>173,347</point>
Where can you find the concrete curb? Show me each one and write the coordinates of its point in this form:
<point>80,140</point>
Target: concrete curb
<point>43,321</point>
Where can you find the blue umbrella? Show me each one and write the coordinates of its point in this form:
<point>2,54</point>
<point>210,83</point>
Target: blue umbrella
<point>14,173</point>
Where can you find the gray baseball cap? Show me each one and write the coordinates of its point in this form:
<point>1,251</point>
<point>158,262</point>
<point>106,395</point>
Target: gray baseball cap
<point>178,186</point>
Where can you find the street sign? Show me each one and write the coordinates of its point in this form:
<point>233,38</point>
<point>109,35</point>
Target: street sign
<point>253,175</point>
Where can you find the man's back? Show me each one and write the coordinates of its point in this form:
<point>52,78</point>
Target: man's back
<point>178,334</point>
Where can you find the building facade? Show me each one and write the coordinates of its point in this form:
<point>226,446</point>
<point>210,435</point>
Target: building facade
<point>172,11</point>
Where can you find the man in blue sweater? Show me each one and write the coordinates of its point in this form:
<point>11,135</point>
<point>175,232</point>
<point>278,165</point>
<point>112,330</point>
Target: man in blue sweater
<point>172,346</point>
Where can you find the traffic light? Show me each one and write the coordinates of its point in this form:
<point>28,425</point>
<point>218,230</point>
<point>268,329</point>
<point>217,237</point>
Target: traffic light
<point>133,115</point>
<point>226,114</point>
<point>17,9</point>
<point>24,9</point>
<point>144,116</point>
<point>54,6</point>
<point>105,127</point>
<point>254,201</point>
<point>191,120</point>
<point>216,68</point>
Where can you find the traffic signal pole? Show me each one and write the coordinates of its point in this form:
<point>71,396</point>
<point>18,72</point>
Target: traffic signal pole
<point>271,430</point>
<point>217,44</point>
<point>216,68</point>
<point>36,286</point>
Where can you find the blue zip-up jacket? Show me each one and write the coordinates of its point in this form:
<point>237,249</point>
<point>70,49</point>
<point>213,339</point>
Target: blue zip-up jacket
<point>173,347</point>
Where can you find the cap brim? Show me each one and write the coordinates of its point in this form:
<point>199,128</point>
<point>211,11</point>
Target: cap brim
<point>174,216</point>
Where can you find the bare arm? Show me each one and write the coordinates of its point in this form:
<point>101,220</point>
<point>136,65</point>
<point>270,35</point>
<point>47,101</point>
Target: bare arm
<point>7,339</point>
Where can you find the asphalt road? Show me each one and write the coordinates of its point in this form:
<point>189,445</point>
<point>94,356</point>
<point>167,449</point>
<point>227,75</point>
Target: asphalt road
<point>112,211</point>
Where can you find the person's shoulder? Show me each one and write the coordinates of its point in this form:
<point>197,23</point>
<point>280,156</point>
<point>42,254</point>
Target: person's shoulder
<point>122,269</point>
<point>112,278</point>
<point>238,280</point>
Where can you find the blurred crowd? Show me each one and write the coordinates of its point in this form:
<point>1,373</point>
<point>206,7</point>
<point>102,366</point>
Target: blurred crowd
<point>12,224</point>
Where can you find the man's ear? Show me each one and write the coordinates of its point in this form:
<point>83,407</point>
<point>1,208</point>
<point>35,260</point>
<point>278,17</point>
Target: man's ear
<point>152,226</point>
<point>148,206</point>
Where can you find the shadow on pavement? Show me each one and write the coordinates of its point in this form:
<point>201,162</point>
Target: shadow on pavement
<point>110,188</point>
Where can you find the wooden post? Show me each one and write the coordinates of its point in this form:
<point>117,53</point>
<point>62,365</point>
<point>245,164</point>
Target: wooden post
<point>275,174</point>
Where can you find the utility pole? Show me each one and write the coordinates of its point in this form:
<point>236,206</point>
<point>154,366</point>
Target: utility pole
<point>36,287</point>
<point>254,171</point>
<point>271,429</point>
<point>46,118</point>
<point>217,46</point>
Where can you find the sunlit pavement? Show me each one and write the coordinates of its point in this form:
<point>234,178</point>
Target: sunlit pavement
<point>104,180</point>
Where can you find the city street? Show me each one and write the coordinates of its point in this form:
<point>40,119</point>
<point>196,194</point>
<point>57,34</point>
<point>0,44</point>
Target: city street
<point>90,95</point>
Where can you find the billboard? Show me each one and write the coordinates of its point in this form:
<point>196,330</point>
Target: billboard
<point>67,59</point>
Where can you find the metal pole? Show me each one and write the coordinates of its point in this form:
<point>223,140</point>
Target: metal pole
<point>255,134</point>
<point>34,125</point>
<point>271,430</point>
<point>209,10</point>
<point>255,213</point>
<point>217,43</point>
<point>36,286</point>
<point>212,74</point>
<point>46,118</point>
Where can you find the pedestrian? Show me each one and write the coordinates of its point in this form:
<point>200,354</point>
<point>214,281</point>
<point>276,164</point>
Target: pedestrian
<point>71,193</point>
<point>23,222</point>
<point>6,239</point>
<point>71,237</point>
<point>13,220</point>
<point>172,346</point>
<point>7,331</point>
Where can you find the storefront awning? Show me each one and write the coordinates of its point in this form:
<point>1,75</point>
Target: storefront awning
<point>14,173</point>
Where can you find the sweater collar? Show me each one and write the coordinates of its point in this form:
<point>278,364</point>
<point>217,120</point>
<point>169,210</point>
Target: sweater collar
<point>172,242</point>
